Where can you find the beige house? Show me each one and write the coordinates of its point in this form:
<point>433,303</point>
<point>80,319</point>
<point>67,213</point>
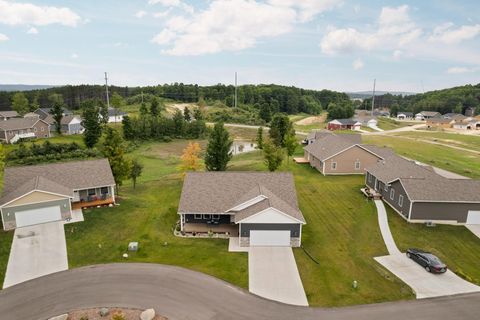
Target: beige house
<point>338,155</point>
<point>14,129</point>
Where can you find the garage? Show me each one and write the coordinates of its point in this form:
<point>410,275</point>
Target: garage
<point>278,238</point>
<point>473,217</point>
<point>36,216</point>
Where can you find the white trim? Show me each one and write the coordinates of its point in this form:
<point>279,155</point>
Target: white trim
<point>207,214</point>
<point>333,165</point>
<point>410,211</point>
<point>263,211</point>
<point>400,200</point>
<point>358,145</point>
<point>300,236</point>
<point>215,217</point>
<point>32,191</point>
<point>105,185</point>
<point>359,164</point>
<point>3,222</point>
<point>196,218</point>
<point>248,203</point>
<point>392,194</point>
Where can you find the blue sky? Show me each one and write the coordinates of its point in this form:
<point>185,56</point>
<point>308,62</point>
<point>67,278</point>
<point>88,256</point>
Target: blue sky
<point>332,44</point>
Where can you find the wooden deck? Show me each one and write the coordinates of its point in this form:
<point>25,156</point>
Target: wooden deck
<point>232,229</point>
<point>95,203</point>
<point>301,160</point>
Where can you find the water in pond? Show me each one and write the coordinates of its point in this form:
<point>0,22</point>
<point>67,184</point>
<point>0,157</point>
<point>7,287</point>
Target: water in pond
<point>239,147</point>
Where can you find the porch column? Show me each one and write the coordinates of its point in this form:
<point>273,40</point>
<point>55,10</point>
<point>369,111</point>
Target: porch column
<point>182,221</point>
<point>113,193</point>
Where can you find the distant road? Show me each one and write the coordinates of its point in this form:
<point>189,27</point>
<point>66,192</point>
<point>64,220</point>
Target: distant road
<point>179,293</point>
<point>246,126</point>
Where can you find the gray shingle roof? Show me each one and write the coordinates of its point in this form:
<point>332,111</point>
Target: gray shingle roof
<point>379,151</point>
<point>218,192</point>
<point>72,175</point>
<point>330,145</point>
<point>346,121</point>
<point>9,113</point>
<point>320,134</point>
<point>112,112</point>
<point>18,123</point>
<point>442,189</point>
<point>394,167</point>
<point>37,183</point>
<point>430,113</point>
<point>67,119</point>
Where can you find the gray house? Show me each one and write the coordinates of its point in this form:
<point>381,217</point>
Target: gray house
<point>260,208</point>
<point>71,124</point>
<point>46,193</point>
<point>419,194</point>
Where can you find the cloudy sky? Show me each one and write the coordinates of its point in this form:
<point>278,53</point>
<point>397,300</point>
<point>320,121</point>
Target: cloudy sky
<point>333,44</point>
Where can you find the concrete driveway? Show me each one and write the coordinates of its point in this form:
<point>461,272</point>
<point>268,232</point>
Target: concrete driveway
<point>36,251</point>
<point>273,274</point>
<point>425,284</point>
<point>474,228</point>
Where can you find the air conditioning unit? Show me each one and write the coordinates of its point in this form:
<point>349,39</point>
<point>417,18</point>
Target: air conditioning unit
<point>430,224</point>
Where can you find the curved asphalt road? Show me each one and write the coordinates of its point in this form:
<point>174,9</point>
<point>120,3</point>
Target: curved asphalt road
<point>183,294</point>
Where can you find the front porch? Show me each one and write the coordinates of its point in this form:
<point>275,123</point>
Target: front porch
<point>92,203</point>
<point>371,193</point>
<point>93,197</point>
<point>230,229</point>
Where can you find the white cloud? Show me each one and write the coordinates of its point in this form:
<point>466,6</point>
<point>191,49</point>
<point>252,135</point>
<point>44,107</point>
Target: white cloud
<point>358,64</point>
<point>162,14</point>
<point>397,54</point>
<point>394,30</point>
<point>460,70</point>
<point>15,13</point>
<point>173,4</point>
<point>3,37</point>
<point>446,33</point>
<point>225,25</point>
<point>140,14</point>
<point>306,9</point>
<point>32,30</point>
<point>74,56</point>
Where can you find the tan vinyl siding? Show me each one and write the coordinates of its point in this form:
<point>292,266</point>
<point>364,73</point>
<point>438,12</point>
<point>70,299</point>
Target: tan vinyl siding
<point>34,197</point>
<point>346,161</point>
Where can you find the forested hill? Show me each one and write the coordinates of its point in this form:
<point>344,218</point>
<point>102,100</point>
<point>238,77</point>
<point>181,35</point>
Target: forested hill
<point>455,99</point>
<point>279,98</point>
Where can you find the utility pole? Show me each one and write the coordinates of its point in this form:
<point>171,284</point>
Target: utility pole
<point>235,100</point>
<point>373,96</point>
<point>106,89</point>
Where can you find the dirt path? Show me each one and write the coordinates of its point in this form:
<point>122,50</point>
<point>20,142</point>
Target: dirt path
<point>311,120</point>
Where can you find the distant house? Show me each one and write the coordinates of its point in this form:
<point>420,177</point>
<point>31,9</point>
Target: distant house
<point>339,155</point>
<point>71,124</point>
<point>454,116</point>
<point>405,115</point>
<point>115,115</point>
<point>46,113</point>
<point>381,113</point>
<point>424,115</point>
<point>315,135</point>
<point>5,115</point>
<point>470,111</point>
<point>343,124</point>
<point>48,192</point>
<point>14,129</point>
<point>472,124</point>
<point>31,115</point>
<point>372,123</point>
<point>419,194</point>
<point>440,123</point>
<point>260,208</point>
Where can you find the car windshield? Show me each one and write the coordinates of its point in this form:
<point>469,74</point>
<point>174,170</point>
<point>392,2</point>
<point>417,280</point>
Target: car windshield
<point>433,259</point>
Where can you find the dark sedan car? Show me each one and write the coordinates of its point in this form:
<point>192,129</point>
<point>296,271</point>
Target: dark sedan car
<point>427,260</point>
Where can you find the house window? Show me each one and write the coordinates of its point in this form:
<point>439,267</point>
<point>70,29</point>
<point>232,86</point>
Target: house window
<point>215,216</point>
<point>357,165</point>
<point>400,200</point>
<point>369,177</point>
<point>386,188</point>
<point>334,166</point>
<point>207,216</point>
<point>43,129</point>
<point>392,194</point>
<point>104,190</point>
<point>91,192</point>
<point>34,129</point>
<point>197,217</point>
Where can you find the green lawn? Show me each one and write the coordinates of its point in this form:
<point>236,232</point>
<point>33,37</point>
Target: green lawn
<point>455,245</point>
<point>461,162</point>
<point>390,124</point>
<point>454,139</point>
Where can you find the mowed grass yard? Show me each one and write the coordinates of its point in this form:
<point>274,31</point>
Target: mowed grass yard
<point>471,142</point>
<point>461,162</point>
<point>455,245</point>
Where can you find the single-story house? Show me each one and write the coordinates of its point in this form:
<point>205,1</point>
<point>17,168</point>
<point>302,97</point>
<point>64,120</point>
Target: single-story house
<point>260,208</point>
<point>440,123</point>
<point>405,115</point>
<point>14,129</point>
<point>372,123</point>
<point>48,192</point>
<point>71,124</point>
<point>467,124</point>
<point>5,115</point>
<point>424,115</point>
<point>381,113</point>
<point>337,155</point>
<point>420,195</point>
<point>115,115</point>
<point>344,124</point>
<point>455,116</point>
<point>470,111</point>
<point>315,135</point>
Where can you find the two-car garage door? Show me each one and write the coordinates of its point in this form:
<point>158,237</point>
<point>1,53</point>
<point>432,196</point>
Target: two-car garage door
<point>279,238</point>
<point>473,217</point>
<point>37,216</point>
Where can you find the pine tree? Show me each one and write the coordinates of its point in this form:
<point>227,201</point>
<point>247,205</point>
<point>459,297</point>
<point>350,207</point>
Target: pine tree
<point>154,107</point>
<point>186,114</point>
<point>128,130</point>
<point>91,123</point>
<point>113,149</point>
<point>279,128</point>
<point>218,152</point>
<point>56,111</point>
<point>103,110</point>
<point>260,138</point>
<point>179,123</point>
<point>197,114</point>
<point>143,109</point>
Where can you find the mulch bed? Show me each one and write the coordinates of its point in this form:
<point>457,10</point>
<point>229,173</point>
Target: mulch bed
<point>93,314</point>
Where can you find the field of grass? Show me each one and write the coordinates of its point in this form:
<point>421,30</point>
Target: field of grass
<point>390,124</point>
<point>461,162</point>
<point>454,139</point>
<point>454,245</point>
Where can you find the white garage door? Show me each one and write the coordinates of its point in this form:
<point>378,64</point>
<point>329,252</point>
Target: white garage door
<point>270,238</point>
<point>473,217</point>
<point>37,216</point>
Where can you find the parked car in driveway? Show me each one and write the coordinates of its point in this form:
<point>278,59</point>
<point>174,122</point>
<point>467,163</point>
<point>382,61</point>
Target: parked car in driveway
<point>429,261</point>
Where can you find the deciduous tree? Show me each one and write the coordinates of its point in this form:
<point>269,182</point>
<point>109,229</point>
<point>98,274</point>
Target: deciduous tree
<point>20,103</point>
<point>186,114</point>
<point>279,128</point>
<point>273,155</point>
<point>260,138</point>
<point>113,149</point>
<point>154,107</point>
<point>290,144</point>
<point>57,105</point>
<point>91,123</point>
<point>136,168</point>
<point>190,158</point>
<point>218,152</point>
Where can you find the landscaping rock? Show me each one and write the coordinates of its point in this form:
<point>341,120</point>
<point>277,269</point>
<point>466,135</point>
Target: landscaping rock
<point>148,314</point>
<point>104,312</point>
<point>60,317</point>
